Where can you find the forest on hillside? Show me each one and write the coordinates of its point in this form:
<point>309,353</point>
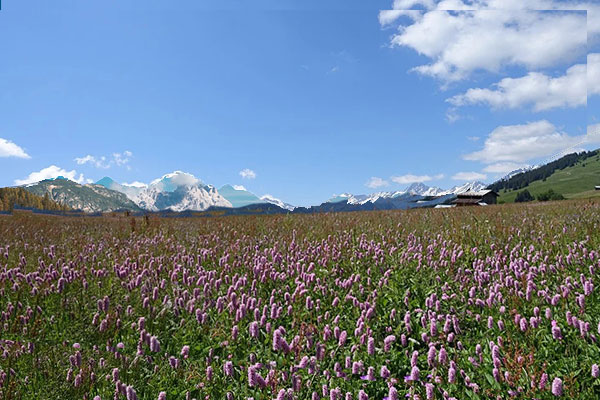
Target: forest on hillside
<point>523,179</point>
<point>11,197</point>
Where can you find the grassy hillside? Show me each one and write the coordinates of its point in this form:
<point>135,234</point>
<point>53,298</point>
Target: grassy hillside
<point>577,181</point>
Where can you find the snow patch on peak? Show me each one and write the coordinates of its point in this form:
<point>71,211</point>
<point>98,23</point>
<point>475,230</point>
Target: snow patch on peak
<point>273,200</point>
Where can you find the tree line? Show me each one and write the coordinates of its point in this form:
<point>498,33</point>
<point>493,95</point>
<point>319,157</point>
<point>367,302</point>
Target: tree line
<point>11,197</point>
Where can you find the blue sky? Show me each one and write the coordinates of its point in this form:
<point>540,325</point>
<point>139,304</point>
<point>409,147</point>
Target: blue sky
<point>314,99</point>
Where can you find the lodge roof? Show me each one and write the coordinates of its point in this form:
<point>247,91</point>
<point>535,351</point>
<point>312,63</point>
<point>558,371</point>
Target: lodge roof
<point>467,201</point>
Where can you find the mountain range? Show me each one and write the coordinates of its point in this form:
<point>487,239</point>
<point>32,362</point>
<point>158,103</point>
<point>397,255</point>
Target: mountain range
<point>573,175</point>
<point>416,189</point>
<point>180,191</point>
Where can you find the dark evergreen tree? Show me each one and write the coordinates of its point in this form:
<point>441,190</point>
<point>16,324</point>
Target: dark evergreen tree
<point>524,196</point>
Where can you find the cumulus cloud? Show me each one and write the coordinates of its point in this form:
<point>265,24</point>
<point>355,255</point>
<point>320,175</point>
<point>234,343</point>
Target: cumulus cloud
<point>520,143</point>
<point>469,176</point>
<point>591,6</point>
<point>239,187</point>
<point>375,182</point>
<point>51,172</point>
<point>247,173</point>
<point>121,159</point>
<point>102,162</point>
<point>10,149</point>
<point>460,43</point>
<point>410,178</point>
<point>536,90</point>
<point>98,162</point>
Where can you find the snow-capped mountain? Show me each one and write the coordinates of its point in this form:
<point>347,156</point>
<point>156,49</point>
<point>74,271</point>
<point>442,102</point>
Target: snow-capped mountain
<point>474,186</point>
<point>363,198</point>
<point>177,191</point>
<point>421,189</point>
<point>181,191</point>
<point>415,189</point>
<point>273,200</point>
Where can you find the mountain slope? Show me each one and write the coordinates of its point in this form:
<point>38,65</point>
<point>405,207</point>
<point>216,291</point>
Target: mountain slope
<point>520,181</point>
<point>576,181</point>
<point>88,198</point>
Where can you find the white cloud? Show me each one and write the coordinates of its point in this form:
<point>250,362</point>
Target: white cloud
<point>98,162</point>
<point>469,176</point>
<point>376,182</point>
<point>121,159</point>
<point>451,115</point>
<point>135,184</point>
<point>51,172</point>
<point>239,187</point>
<point>593,74</point>
<point>591,6</point>
<point>460,43</point>
<point>536,89</point>
<point>519,143</point>
<point>503,167</point>
<point>9,149</point>
<point>118,159</point>
<point>410,178</point>
<point>247,173</point>
<point>473,138</point>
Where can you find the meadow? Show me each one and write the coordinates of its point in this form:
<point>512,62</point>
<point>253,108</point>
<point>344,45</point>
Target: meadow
<point>475,303</point>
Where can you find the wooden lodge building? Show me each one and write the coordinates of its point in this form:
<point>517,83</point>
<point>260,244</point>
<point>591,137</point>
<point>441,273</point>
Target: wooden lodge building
<point>480,198</point>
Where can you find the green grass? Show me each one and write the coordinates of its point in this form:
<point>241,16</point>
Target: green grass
<point>577,181</point>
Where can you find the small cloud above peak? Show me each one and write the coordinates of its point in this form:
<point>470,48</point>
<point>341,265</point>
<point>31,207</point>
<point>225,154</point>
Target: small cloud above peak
<point>103,162</point>
<point>51,172</point>
<point>410,178</point>
<point>247,173</point>
<point>177,178</point>
<point>376,182</point>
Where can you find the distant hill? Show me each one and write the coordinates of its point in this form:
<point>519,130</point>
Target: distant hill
<point>19,197</point>
<point>238,196</point>
<point>573,176</point>
<point>89,198</point>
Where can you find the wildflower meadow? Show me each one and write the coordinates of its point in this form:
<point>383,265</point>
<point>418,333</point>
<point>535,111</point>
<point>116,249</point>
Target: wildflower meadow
<point>475,303</point>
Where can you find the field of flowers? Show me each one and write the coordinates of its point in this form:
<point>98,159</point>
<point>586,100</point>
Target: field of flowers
<point>478,303</point>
